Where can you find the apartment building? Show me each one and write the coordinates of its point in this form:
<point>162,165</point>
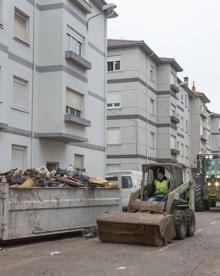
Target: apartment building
<point>52,83</point>
<point>215,132</point>
<point>148,108</point>
<point>200,126</point>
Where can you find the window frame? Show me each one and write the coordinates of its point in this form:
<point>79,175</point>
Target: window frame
<point>25,83</point>
<point>113,104</point>
<point>114,66</point>
<point>83,160</point>
<point>119,140</point>
<point>22,15</point>
<point>70,38</point>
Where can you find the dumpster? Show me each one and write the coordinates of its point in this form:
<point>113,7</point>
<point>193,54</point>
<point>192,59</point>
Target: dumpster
<point>32,212</point>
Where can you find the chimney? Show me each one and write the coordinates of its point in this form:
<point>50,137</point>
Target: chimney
<point>193,87</point>
<point>186,81</point>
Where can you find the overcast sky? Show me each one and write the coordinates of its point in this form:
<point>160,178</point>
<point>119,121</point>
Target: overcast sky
<point>187,30</point>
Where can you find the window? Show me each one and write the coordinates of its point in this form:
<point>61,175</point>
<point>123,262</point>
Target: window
<point>152,106</point>
<point>21,25</point>
<point>178,145</point>
<point>52,166</point>
<point>186,101</point>
<point>187,152</point>
<point>182,124</point>
<point>20,88</point>
<point>173,110</point>
<point>182,149</point>
<point>74,45</point>
<point>79,161</point>
<point>182,97</point>
<point>113,136</point>
<point>73,103</point>
<point>152,140</point>
<point>19,157</point>
<point>113,65</point>
<point>172,78</point>
<point>152,73</point>
<point>113,100</point>
<point>187,126</point>
<point>173,142</point>
<point>126,182</point>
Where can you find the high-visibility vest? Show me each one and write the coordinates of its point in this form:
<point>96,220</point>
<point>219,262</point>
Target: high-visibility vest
<point>161,187</point>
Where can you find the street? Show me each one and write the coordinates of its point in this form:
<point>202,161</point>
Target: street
<point>199,255</point>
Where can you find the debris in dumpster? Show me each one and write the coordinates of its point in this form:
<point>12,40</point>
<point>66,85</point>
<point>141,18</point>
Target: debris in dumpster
<point>60,178</point>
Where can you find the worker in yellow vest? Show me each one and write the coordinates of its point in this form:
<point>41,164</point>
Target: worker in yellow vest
<point>160,187</point>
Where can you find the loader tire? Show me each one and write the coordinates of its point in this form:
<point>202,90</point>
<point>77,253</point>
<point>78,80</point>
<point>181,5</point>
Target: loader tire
<point>212,204</point>
<point>191,222</point>
<point>199,203</point>
<point>180,223</point>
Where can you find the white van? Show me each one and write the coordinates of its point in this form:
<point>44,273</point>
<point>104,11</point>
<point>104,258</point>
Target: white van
<point>127,181</point>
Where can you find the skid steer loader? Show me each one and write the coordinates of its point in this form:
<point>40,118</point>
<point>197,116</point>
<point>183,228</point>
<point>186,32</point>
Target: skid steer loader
<point>150,222</point>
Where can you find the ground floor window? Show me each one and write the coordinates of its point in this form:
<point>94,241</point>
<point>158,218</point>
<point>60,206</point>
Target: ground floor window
<point>79,161</point>
<point>19,157</point>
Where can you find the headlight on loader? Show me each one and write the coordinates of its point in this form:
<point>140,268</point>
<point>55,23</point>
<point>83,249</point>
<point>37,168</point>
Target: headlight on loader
<point>216,184</point>
<point>209,184</point>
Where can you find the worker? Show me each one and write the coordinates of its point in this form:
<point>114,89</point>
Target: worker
<point>159,188</point>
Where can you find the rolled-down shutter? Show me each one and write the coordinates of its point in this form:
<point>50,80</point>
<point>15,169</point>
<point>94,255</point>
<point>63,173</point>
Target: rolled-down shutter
<point>73,99</point>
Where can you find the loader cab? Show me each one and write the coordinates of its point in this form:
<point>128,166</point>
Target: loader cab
<point>127,181</point>
<point>173,174</point>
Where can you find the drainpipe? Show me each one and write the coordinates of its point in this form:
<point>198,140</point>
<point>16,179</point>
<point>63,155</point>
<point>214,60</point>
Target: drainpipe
<point>33,84</point>
<point>105,94</point>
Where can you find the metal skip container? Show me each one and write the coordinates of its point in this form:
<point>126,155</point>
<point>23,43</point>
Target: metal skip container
<point>32,212</point>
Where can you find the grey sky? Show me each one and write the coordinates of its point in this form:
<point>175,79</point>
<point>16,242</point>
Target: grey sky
<point>188,30</point>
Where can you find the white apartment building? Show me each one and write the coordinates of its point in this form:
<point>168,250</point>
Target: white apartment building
<point>152,116</point>
<point>200,126</point>
<point>53,83</point>
<point>148,110</point>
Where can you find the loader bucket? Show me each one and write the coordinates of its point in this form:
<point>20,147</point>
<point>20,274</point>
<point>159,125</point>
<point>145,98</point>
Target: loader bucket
<point>136,228</point>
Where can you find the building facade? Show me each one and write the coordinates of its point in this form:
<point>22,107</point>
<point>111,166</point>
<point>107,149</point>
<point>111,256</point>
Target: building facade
<point>148,108</point>
<point>200,126</point>
<point>52,84</point>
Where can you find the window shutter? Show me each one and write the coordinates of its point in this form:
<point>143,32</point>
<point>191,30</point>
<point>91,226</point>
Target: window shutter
<point>114,136</point>
<point>73,100</point>
<point>19,93</point>
<point>79,161</point>
<point>20,27</point>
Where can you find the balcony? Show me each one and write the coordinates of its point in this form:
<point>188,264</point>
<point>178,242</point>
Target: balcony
<point>174,151</point>
<point>203,114</point>
<point>83,5</point>
<point>61,137</point>
<point>70,118</point>
<point>174,119</point>
<point>76,59</point>
<point>204,137</point>
<point>174,88</point>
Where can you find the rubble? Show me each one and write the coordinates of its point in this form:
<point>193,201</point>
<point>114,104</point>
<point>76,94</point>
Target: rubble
<point>60,178</point>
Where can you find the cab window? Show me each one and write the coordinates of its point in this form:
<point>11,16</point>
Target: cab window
<point>126,182</point>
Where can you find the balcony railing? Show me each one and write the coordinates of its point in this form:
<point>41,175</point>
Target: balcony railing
<point>174,151</point>
<point>174,119</point>
<point>83,5</point>
<point>174,88</point>
<point>203,137</point>
<point>70,118</point>
<point>78,60</point>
